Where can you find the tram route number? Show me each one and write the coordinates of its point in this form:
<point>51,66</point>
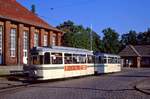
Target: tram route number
<point>79,67</point>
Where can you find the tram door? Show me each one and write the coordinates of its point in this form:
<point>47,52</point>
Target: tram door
<point>1,44</point>
<point>25,47</point>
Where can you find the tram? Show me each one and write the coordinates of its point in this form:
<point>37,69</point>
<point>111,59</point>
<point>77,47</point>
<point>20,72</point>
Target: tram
<point>59,62</point>
<point>63,62</point>
<point>107,63</point>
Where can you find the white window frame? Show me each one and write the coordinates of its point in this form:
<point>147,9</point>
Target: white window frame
<point>13,33</point>
<point>45,40</point>
<point>25,40</point>
<point>36,39</point>
<point>1,37</point>
<point>53,39</point>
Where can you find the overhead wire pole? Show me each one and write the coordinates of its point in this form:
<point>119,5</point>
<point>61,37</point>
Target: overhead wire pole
<point>91,38</point>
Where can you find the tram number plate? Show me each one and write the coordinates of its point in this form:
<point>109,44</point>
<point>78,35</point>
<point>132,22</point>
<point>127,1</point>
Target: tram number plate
<point>71,68</point>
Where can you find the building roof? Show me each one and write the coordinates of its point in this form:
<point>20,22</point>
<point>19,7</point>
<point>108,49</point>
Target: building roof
<point>12,10</point>
<point>138,50</point>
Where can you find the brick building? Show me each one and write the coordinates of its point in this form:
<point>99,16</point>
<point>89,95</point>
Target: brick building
<point>21,30</point>
<point>136,56</point>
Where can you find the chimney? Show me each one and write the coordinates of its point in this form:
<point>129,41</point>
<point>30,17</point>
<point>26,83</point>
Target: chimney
<point>13,0</point>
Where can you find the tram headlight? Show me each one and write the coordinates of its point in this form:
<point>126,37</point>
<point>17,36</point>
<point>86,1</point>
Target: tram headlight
<point>35,72</point>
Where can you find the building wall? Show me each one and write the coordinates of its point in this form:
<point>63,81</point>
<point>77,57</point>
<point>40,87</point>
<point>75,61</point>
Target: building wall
<point>129,61</point>
<point>145,61</point>
<point>136,61</point>
<point>18,59</point>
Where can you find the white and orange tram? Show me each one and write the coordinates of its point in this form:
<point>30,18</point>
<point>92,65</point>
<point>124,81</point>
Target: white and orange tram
<point>59,62</point>
<point>63,62</point>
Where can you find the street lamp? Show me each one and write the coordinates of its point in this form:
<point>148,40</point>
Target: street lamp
<point>91,38</point>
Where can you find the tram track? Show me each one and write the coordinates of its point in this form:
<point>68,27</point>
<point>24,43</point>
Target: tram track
<point>28,85</point>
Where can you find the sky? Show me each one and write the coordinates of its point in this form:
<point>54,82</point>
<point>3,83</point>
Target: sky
<point>120,15</point>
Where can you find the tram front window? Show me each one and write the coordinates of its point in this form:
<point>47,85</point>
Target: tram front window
<point>47,58</point>
<point>34,60</point>
<point>56,58</point>
<point>37,60</point>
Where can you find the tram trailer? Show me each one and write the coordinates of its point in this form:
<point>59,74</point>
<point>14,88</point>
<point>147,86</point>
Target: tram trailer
<point>107,63</point>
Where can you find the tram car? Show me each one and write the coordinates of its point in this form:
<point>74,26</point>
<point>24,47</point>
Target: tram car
<point>59,62</point>
<point>107,63</point>
<point>63,62</point>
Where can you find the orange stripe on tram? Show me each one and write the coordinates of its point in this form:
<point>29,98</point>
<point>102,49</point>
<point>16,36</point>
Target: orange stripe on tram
<point>72,68</point>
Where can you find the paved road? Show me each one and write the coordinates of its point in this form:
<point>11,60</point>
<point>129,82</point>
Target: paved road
<point>112,86</point>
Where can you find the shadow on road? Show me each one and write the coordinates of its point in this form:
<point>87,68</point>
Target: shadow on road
<point>83,88</point>
<point>128,76</point>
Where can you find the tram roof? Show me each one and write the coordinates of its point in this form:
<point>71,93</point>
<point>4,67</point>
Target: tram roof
<point>106,54</point>
<point>62,49</point>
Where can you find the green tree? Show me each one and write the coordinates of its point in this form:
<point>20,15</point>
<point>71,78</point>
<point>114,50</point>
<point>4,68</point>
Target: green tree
<point>110,41</point>
<point>144,37</point>
<point>78,36</point>
<point>129,38</point>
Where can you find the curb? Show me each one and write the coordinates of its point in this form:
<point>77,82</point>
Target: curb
<point>12,87</point>
<point>142,90</point>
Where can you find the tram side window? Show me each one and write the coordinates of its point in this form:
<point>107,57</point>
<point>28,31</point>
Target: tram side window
<point>90,59</point>
<point>56,58</point>
<point>118,60</point>
<point>75,59</point>
<point>68,59</point>
<point>102,59</point>
<point>82,58</point>
<point>113,60</point>
<point>47,58</point>
<point>78,58</point>
<point>110,60</point>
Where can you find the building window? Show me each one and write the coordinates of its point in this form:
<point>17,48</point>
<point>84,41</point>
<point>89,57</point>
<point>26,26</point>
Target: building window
<point>1,34</point>
<point>25,43</point>
<point>13,42</point>
<point>36,39</point>
<point>53,40</point>
<point>45,40</point>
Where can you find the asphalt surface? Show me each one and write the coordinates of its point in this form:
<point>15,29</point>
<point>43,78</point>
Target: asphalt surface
<point>111,86</point>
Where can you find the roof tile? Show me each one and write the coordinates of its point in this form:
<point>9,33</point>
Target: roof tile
<point>11,9</point>
<point>138,50</point>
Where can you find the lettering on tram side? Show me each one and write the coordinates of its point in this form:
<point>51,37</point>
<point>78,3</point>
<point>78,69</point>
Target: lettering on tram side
<point>78,67</point>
